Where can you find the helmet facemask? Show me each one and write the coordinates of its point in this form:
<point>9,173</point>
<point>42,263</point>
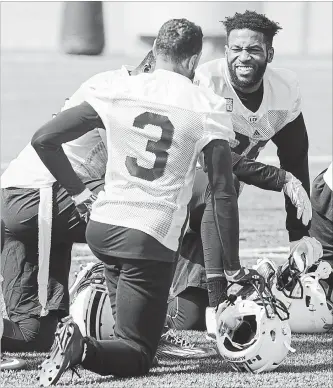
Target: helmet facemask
<point>253,334</point>
<point>304,294</point>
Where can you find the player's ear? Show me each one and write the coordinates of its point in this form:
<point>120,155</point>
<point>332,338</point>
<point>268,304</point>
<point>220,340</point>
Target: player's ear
<point>270,54</point>
<point>226,49</point>
<point>194,60</point>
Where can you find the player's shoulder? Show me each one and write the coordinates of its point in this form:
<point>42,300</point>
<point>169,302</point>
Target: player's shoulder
<point>212,74</point>
<point>105,78</point>
<point>284,87</point>
<point>281,77</point>
<point>204,99</point>
<point>214,67</point>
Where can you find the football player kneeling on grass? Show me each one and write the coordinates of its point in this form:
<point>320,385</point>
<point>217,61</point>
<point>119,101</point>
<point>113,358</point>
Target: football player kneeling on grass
<point>136,222</point>
<point>92,311</point>
<point>28,190</point>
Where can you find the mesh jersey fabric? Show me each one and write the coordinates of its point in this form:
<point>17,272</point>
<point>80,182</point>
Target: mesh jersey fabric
<point>156,124</point>
<point>281,104</point>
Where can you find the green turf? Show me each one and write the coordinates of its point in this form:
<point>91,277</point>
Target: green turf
<point>310,366</point>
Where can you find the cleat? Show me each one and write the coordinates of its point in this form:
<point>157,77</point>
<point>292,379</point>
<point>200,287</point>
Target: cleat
<point>66,353</point>
<point>173,346</point>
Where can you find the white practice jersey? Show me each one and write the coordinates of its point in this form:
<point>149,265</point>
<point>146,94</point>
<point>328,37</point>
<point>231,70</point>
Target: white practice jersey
<point>156,124</point>
<point>280,105</point>
<point>87,154</point>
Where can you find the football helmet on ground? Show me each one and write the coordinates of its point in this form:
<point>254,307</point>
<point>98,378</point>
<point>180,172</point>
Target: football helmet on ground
<point>90,306</point>
<point>303,295</point>
<point>253,335</point>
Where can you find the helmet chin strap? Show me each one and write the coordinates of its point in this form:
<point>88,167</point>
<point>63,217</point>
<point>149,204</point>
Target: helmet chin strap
<point>292,350</point>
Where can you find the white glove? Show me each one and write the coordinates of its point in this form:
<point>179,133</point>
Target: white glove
<point>305,252</point>
<point>299,198</point>
<point>225,318</point>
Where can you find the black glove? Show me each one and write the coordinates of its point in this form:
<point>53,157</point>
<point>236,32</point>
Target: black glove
<point>247,276</point>
<point>83,203</point>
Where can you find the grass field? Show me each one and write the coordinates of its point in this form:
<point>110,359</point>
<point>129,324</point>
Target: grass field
<point>310,366</point>
<point>34,85</point>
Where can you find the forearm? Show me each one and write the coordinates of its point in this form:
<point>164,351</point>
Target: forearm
<point>220,223</point>
<point>292,144</point>
<point>261,175</point>
<point>48,140</point>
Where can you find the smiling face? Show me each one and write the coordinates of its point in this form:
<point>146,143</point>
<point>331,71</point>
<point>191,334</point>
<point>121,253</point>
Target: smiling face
<point>247,55</point>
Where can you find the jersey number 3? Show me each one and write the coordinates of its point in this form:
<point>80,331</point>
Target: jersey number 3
<point>159,148</point>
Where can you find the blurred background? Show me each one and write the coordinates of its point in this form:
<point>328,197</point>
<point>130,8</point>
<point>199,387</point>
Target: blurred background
<point>49,48</point>
<point>307,26</point>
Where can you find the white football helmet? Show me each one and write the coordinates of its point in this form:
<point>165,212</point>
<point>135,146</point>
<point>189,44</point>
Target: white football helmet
<point>253,335</point>
<point>90,306</point>
<point>303,295</point>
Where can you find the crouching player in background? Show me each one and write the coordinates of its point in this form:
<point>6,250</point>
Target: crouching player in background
<point>322,220</point>
<point>41,225</point>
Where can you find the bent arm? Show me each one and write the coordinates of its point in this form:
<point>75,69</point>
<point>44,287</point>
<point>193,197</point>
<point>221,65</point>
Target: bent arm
<point>261,175</point>
<point>66,126</point>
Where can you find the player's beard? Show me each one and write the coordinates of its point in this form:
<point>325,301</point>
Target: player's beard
<point>246,83</point>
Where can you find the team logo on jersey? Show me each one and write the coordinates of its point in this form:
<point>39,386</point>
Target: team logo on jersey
<point>253,119</point>
<point>229,104</point>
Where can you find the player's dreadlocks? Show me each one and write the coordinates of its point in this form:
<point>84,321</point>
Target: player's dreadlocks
<point>147,63</point>
<point>179,39</point>
<point>253,21</point>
